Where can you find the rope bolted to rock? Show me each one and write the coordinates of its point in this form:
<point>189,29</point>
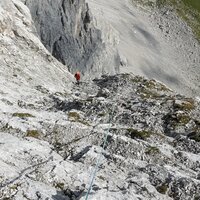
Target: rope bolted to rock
<point>93,174</point>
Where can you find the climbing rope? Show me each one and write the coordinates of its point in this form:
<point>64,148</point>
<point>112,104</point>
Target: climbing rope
<point>93,174</point>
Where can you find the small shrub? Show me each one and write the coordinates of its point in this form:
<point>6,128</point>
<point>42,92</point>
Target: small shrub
<point>150,84</point>
<point>148,94</point>
<point>32,133</point>
<point>152,150</point>
<point>60,186</point>
<point>75,117</point>
<point>133,133</point>
<point>162,87</point>
<point>183,119</point>
<point>102,178</point>
<point>162,189</point>
<point>186,105</point>
<point>137,79</point>
<point>177,119</point>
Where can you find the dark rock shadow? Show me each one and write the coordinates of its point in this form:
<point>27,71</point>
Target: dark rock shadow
<point>80,154</point>
<point>69,195</point>
<point>67,106</point>
<point>60,196</point>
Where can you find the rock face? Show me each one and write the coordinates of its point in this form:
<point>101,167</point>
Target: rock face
<point>66,28</point>
<point>52,131</point>
<point>22,54</point>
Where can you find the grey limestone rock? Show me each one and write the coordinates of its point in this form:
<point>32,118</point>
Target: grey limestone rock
<point>67,30</point>
<point>52,131</point>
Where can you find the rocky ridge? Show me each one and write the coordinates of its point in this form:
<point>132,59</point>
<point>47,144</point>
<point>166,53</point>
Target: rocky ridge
<point>152,149</point>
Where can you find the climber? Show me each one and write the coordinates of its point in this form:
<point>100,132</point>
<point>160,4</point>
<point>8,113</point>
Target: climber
<point>78,77</point>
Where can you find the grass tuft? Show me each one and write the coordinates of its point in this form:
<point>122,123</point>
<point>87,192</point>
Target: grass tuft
<point>22,115</point>
<point>60,186</point>
<point>75,117</point>
<point>152,150</point>
<point>133,133</point>
<point>32,133</point>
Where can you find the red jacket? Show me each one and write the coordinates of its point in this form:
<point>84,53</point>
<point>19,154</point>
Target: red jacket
<point>77,76</point>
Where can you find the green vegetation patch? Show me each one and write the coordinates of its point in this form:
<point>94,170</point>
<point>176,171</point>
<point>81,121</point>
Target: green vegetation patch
<point>150,89</point>
<point>75,117</point>
<point>148,94</point>
<point>177,119</point>
<point>137,79</point>
<point>32,133</point>
<point>152,150</point>
<point>143,134</point>
<point>59,186</point>
<point>153,84</point>
<point>162,189</point>
<point>22,115</point>
<point>195,4</point>
<point>150,84</point>
<point>162,87</point>
<point>186,105</point>
<point>183,119</point>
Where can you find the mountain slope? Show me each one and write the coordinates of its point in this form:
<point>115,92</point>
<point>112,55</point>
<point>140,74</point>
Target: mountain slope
<point>154,43</point>
<point>52,130</point>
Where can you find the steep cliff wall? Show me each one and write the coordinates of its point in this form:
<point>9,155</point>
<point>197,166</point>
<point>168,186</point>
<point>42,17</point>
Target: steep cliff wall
<point>24,61</point>
<point>66,29</point>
